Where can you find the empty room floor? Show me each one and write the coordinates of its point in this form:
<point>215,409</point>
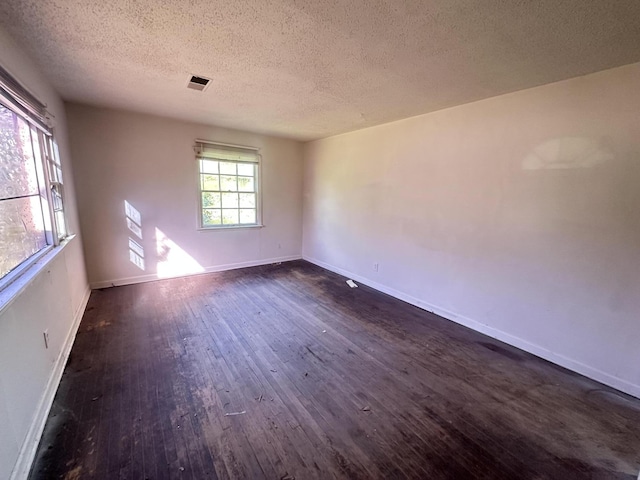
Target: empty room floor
<point>284,372</point>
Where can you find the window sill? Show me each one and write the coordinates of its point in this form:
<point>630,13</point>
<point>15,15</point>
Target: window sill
<point>12,290</point>
<point>231,227</point>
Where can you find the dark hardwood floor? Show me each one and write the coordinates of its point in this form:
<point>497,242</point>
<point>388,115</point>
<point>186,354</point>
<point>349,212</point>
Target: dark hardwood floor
<point>283,372</point>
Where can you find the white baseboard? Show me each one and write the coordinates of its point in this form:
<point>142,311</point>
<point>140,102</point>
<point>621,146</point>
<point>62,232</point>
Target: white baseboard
<point>30,445</point>
<point>216,268</point>
<point>537,350</point>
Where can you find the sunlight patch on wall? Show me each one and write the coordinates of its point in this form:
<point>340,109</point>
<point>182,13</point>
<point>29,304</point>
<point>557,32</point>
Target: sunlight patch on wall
<point>567,152</point>
<point>136,254</point>
<point>134,224</point>
<point>134,220</point>
<point>173,261</point>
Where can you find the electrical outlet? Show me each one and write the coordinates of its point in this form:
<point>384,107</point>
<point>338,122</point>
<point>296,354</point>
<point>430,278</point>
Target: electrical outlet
<point>375,267</point>
<point>46,338</point>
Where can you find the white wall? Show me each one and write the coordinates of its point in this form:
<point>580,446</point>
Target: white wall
<point>517,215</point>
<point>149,161</point>
<point>53,300</point>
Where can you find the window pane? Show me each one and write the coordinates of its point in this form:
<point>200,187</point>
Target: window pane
<point>37,159</point>
<point>57,203</point>
<point>21,231</point>
<point>245,184</point>
<point>247,200</point>
<point>247,216</point>
<point>210,200</point>
<point>211,217</point>
<point>230,217</point>
<point>58,176</point>
<point>246,169</point>
<point>228,168</point>
<point>53,160</point>
<point>61,226</point>
<point>17,166</point>
<point>210,182</point>
<point>229,200</point>
<point>56,197</point>
<point>208,166</point>
<point>228,184</point>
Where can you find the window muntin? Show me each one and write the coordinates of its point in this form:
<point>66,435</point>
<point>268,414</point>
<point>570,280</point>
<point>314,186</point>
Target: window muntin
<point>29,209</point>
<point>228,184</point>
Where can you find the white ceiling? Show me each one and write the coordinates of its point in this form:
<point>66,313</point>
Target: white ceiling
<point>314,68</point>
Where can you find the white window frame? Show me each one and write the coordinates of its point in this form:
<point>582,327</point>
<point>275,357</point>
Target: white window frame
<point>203,145</point>
<point>18,100</point>
<point>54,177</point>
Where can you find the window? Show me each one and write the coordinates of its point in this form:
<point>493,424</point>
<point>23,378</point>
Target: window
<point>55,183</point>
<point>228,178</point>
<point>31,195</point>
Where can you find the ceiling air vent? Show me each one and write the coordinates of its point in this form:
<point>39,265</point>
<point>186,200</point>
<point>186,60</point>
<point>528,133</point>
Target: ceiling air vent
<point>198,83</point>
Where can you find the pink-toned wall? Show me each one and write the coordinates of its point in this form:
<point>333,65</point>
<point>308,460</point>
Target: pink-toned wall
<point>50,296</point>
<point>149,162</point>
<point>518,216</point>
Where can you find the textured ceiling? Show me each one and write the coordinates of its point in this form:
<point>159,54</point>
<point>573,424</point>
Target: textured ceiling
<point>309,69</point>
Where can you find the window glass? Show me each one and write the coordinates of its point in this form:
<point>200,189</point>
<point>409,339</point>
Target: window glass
<point>211,216</point>
<point>228,189</point>
<point>208,166</point>
<point>22,222</point>
<point>246,169</point>
<point>18,177</point>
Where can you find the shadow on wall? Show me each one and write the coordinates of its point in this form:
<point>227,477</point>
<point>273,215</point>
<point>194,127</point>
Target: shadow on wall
<point>171,259</point>
<point>567,152</point>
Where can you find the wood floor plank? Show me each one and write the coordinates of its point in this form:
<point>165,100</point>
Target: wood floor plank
<point>283,371</point>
